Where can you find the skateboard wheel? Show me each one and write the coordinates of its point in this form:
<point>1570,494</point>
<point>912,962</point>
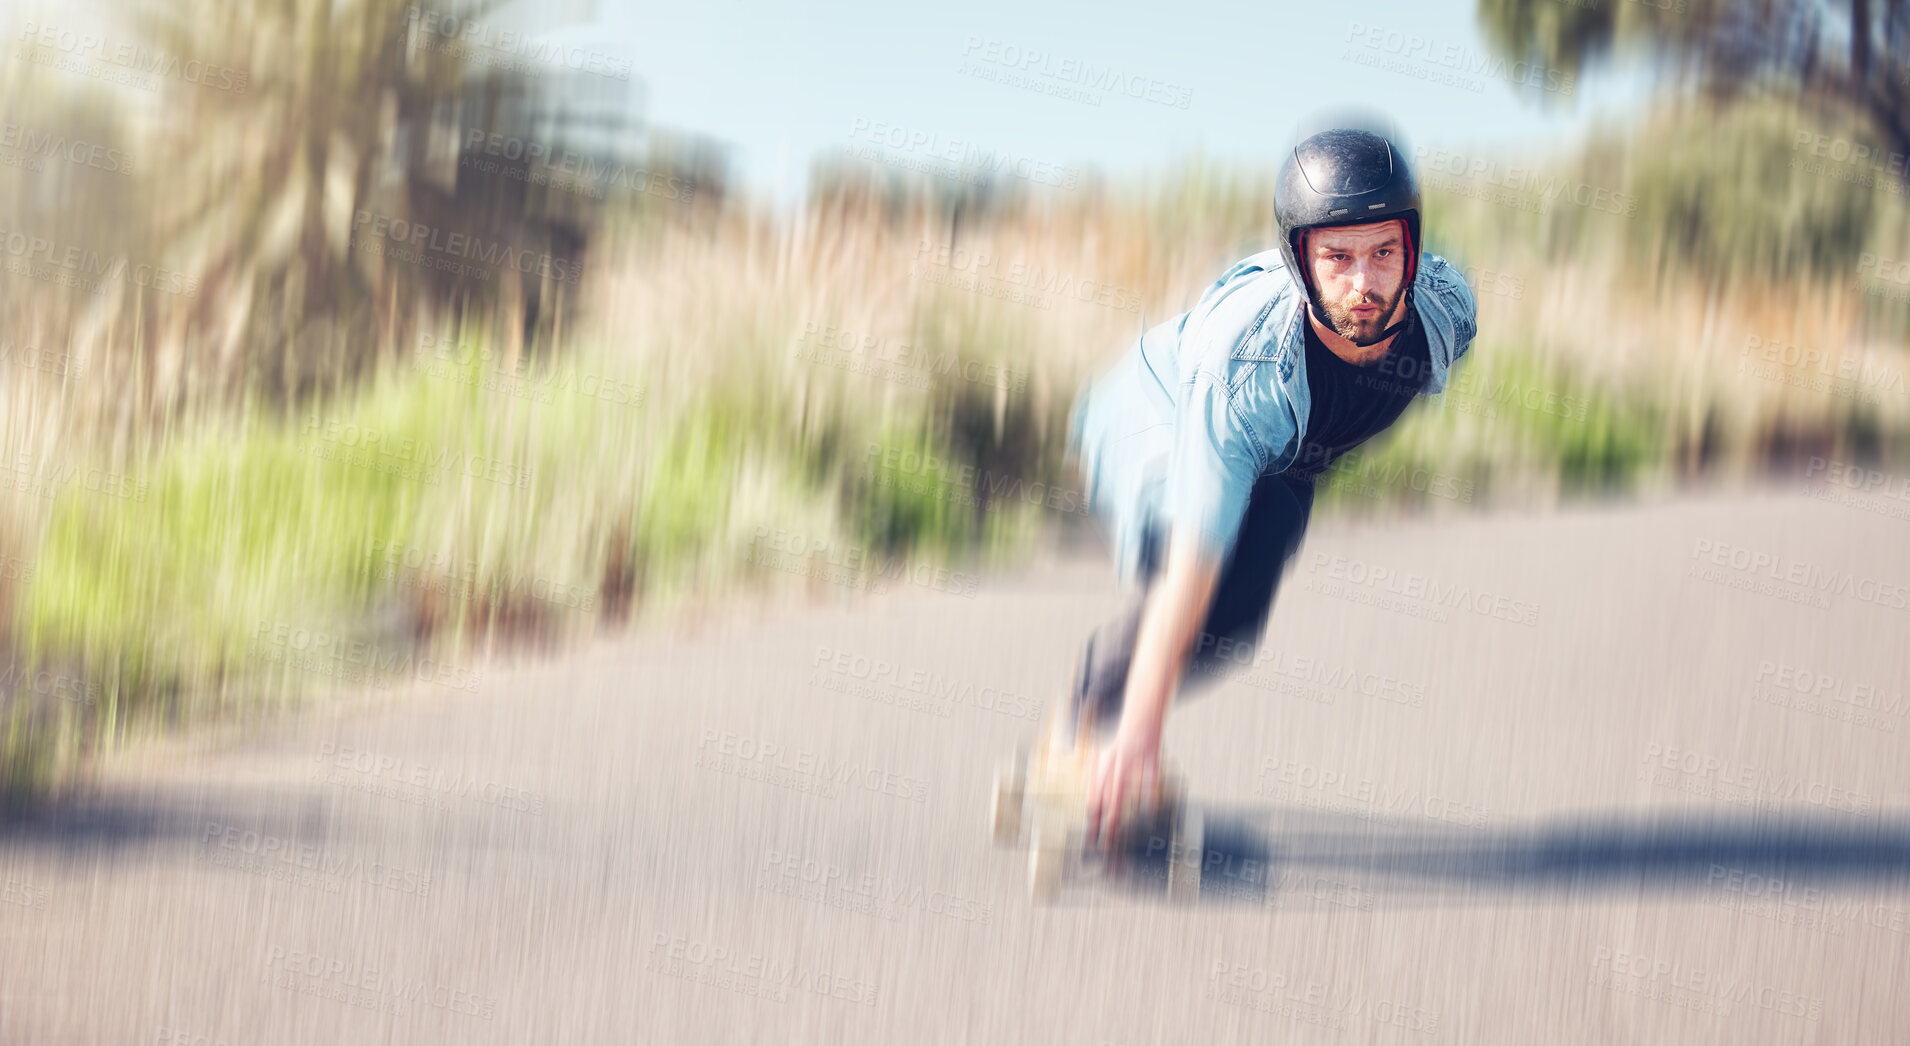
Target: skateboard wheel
<point>1046,856</point>
<point>1171,793</point>
<point>1184,859</point>
<point>1004,812</point>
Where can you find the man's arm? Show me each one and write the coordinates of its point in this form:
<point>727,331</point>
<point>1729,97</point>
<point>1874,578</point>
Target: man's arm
<point>1216,460</point>
<point>1170,620</point>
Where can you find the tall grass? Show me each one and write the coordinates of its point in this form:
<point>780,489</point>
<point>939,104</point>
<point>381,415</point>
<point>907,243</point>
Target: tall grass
<point>453,505</point>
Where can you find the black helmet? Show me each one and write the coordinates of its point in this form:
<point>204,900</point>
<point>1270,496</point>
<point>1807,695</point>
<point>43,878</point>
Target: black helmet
<point>1344,176</point>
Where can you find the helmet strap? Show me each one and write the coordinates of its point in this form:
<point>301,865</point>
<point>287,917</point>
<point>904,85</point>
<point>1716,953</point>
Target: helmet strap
<point>1401,325</point>
<point>1412,272</point>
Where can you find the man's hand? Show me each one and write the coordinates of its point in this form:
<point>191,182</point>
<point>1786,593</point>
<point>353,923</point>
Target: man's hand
<point>1175,609</point>
<point>1130,765</point>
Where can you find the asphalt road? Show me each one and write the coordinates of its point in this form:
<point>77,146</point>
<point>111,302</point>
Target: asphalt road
<point>1611,774</point>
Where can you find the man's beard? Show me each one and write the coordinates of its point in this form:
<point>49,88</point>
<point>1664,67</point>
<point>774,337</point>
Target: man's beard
<point>1339,316</point>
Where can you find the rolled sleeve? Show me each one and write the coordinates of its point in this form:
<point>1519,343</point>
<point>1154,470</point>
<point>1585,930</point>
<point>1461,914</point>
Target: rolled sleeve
<point>1465,315</point>
<point>1452,316</point>
<point>1213,470</point>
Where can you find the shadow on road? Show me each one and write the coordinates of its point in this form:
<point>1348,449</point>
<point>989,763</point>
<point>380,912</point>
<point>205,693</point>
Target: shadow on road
<point>121,822</point>
<point>1256,855</point>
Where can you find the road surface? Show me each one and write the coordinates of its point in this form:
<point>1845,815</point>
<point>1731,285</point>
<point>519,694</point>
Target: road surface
<point>1610,774</point>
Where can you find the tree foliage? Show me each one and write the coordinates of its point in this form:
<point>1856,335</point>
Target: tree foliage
<point>1835,55</point>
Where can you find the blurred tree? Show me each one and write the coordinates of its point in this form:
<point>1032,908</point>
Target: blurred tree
<point>1836,55</point>
<point>272,175</point>
<point>359,123</point>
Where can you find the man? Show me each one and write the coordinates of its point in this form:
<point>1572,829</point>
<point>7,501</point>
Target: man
<point>1201,445</point>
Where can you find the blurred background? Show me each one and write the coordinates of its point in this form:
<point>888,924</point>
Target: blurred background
<point>387,317</point>
<point>352,342</point>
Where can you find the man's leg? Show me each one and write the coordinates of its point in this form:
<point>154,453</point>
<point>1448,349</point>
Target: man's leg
<point>1100,678</point>
<point>1276,520</point>
<point>1270,533</point>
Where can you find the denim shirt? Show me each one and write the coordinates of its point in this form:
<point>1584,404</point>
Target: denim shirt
<point>1181,427</point>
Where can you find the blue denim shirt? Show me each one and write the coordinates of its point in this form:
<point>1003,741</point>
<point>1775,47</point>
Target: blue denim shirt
<point>1179,430</point>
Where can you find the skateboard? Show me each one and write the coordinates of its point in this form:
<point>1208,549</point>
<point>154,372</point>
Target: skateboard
<point>1043,797</point>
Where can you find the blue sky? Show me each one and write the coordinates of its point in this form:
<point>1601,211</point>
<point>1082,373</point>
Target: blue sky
<point>782,81</point>
<point>779,82</point>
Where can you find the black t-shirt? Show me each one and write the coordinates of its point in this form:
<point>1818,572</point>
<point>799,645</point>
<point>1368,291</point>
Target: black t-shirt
<point>1353,403</point>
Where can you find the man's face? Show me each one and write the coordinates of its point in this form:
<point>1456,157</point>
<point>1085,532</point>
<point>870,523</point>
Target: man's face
<point>1360,271</point>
